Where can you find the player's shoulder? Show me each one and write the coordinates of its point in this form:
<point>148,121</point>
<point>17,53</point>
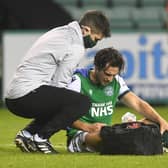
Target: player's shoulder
<point>118,76</point>
<point>119,79</point>
<point>84,72</point>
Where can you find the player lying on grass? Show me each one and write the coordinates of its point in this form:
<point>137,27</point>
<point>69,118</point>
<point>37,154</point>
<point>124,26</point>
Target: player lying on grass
<point>104,86</point>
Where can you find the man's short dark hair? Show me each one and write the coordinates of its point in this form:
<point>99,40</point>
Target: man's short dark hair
<point>109,57</point>
<point>97,21</point>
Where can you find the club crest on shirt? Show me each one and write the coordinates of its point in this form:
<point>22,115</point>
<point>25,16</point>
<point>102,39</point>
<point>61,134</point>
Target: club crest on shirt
<point>108,91</point>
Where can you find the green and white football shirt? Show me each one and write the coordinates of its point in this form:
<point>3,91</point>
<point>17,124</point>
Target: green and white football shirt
<point>103,98</point>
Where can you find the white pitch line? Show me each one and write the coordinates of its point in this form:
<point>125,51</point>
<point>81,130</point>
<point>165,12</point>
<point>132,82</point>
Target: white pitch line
<point>13,145</point>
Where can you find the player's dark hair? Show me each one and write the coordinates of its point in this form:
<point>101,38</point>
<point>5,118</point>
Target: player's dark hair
<point>109,57</point>
<point>97,21</point>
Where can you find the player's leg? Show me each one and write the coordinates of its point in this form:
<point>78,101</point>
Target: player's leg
<point>93,141</point>
<point>84,142</point>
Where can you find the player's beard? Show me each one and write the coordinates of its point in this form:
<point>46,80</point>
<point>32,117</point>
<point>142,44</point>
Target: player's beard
<point>100,81</point>
<point>97,79</point>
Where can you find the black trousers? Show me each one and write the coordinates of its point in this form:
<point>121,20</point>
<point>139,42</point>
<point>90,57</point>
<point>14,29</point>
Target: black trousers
<point>51,108</point>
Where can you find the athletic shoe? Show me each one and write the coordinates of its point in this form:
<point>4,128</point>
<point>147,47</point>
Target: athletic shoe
<point>24,143</point>
<point>43,145</point>
<point>165,141</point>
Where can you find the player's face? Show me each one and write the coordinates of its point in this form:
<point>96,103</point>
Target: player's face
<point>105,76</point>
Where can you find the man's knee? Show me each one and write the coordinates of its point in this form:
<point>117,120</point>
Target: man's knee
<point>85,104</point>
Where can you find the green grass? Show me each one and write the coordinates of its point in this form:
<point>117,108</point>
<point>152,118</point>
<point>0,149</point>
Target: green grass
<point>11,157</point>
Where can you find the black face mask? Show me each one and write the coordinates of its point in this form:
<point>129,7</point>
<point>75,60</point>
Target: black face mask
<point>88,42</point>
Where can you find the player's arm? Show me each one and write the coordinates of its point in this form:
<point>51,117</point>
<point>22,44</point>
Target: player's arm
<point>144,108</point>
<point>88,127</point>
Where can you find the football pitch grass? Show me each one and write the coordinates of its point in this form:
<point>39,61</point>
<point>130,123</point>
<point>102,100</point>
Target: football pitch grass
<point>11,157</point>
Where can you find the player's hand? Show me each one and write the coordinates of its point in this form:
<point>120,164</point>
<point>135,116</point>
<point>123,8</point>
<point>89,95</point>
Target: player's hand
<point>163,126</point>
<point>96,127</point>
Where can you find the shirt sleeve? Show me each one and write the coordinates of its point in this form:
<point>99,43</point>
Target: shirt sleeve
<point>75,84</point>
<point>123,86</point>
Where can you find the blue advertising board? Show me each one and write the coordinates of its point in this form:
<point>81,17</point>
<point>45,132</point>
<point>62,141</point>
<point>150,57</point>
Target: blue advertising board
<point>146,57</point>
<point>145,54</point>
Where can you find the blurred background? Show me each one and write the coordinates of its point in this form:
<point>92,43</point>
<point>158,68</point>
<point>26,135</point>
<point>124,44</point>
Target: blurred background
<point>139,31</point>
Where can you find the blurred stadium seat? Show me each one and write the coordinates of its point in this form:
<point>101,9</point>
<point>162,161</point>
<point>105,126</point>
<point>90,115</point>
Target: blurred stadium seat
<point>78,12</point>
<point>121,18</point>
<point>84,3</point>
<point>148,18</point>
<point>94,2</point>
<point>75,11</point>
<point>124,3</point>
<point>123,14</point>
<point>152,3</point>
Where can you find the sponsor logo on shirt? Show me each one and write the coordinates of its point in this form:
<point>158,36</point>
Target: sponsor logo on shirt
<point>101,109</point>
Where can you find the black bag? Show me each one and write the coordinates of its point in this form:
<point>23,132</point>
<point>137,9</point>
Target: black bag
<point>131,138</point>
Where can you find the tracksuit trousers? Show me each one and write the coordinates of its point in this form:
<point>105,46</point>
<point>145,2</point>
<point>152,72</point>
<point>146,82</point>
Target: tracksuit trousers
<point>51,109</point>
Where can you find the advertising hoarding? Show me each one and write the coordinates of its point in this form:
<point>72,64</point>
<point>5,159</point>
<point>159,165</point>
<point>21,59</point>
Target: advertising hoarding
<point>145,54</point>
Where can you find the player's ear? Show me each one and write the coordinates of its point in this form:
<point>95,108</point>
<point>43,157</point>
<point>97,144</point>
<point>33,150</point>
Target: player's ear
<point>86,30</point>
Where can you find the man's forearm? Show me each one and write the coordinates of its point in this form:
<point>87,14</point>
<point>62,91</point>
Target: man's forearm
<point>80,125</point>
